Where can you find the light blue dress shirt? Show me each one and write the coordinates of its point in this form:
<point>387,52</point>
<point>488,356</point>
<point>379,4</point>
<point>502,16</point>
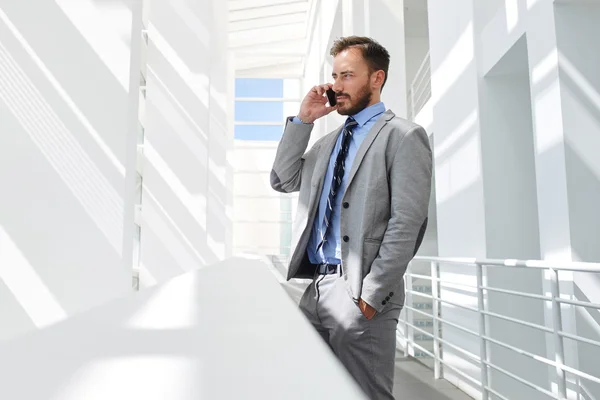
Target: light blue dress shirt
<point>331,251</point>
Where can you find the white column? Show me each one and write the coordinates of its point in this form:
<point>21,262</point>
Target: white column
<point>512,228</point>
<point>578,65</point>
<point>549,137</point>
<point>184,225</point>
<point>348,17</point>
<point>132,136</point>
<point>385,23</point>
<point>551,169</point>
<point>356,17</point>
<point>459,187</point>
<point>219,226</point>
<point>458,164</point>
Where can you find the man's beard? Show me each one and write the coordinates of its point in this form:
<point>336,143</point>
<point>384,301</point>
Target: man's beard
<point>363,100</point>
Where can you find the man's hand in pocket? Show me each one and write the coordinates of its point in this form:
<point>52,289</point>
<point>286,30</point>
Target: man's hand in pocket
<point>367,310</point>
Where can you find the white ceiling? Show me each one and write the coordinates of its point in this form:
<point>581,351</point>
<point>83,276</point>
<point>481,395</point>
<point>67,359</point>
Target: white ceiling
<point>268,37</point>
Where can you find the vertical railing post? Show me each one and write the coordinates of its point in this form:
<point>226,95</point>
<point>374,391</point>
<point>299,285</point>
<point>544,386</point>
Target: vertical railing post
<point>435,293</point>
<point>559,348</point>
<point>412,103</point>
<point>482,332</point>
<point>409,350</point>
<point>406,310</point>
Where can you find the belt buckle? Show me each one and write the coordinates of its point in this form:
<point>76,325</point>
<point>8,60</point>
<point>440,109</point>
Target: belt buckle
<point>330,268</point>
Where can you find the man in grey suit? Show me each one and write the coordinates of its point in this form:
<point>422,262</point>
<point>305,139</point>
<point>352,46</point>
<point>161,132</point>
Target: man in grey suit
<point>363,201</point>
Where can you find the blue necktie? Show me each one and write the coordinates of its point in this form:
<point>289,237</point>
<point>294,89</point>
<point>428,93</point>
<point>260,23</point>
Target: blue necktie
<point>338,175</point>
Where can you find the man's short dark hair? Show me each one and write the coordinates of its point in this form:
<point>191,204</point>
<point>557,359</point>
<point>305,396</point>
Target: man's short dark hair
<point>376,56</point>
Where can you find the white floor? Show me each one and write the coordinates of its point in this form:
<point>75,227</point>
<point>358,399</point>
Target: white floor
<point>414,381</point>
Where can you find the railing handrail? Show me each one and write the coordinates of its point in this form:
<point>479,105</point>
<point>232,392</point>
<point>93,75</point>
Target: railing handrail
<point>555,328</point>
<point>424,64</point>
<point>560,265</point>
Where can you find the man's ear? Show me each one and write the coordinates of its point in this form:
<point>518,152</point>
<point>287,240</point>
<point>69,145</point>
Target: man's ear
<point>378,78</point>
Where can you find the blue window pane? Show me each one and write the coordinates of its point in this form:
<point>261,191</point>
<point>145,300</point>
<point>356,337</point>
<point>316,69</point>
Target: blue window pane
<point>258,132</point>
<point>255,87</point>
<point>258,111</point>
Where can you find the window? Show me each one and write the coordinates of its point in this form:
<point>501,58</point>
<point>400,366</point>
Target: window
<point>259,132</point>
<point>261,106</point>
<point>255,111</point>
<point>263,217</point>
<point>253,87</point>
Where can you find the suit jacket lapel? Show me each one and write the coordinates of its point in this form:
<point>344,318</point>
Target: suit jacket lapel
<point>362,150</point>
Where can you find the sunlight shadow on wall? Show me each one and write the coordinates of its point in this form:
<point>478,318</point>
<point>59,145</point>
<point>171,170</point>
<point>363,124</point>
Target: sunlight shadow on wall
<point>57,86</point>
<point>197,82</point>
<point>156,218</point>
<point>457,60</point>
<point>26,285</point>
<point>55,141</point>
<point>194,203</point>
<point>92,20</point>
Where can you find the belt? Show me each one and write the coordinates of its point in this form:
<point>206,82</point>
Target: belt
<point>327,269</point>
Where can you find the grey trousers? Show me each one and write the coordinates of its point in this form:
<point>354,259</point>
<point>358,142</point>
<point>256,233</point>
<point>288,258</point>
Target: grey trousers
<point>367,348</point>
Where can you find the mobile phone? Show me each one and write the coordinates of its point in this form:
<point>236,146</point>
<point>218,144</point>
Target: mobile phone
<point>331,97</point>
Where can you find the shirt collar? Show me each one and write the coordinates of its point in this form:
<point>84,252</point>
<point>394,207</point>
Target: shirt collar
<point>369,113</point>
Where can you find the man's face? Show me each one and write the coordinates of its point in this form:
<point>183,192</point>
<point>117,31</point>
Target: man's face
<point>352,82</point>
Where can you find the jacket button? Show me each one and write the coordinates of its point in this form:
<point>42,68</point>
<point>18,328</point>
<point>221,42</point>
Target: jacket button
<point>383,303</point>
<point>346,204</point>
<point>391,294</point>
<point>346,238</point>
<point>387,298</point>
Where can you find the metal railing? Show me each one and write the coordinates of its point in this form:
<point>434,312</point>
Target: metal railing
<point>483,334</point>
<point>419,90</point>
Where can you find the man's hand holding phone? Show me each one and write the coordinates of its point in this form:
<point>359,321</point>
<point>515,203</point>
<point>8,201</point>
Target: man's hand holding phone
<point>315,104</point>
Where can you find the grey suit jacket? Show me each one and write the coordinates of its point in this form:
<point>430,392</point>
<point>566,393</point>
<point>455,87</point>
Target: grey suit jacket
<point>385,203</point>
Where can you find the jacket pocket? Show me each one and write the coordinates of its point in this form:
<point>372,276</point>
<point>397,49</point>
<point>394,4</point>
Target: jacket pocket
<point>369,253</point>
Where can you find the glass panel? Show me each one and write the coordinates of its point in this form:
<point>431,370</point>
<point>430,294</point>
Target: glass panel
<point>256,87</point>
<point>258,111</point>
<point>258,132</point>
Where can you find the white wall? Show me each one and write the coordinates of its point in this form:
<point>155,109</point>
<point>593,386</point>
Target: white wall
<point>580,94</point>
<point>515,119</point>
<point>185,222</point>
<point>64,81</point>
